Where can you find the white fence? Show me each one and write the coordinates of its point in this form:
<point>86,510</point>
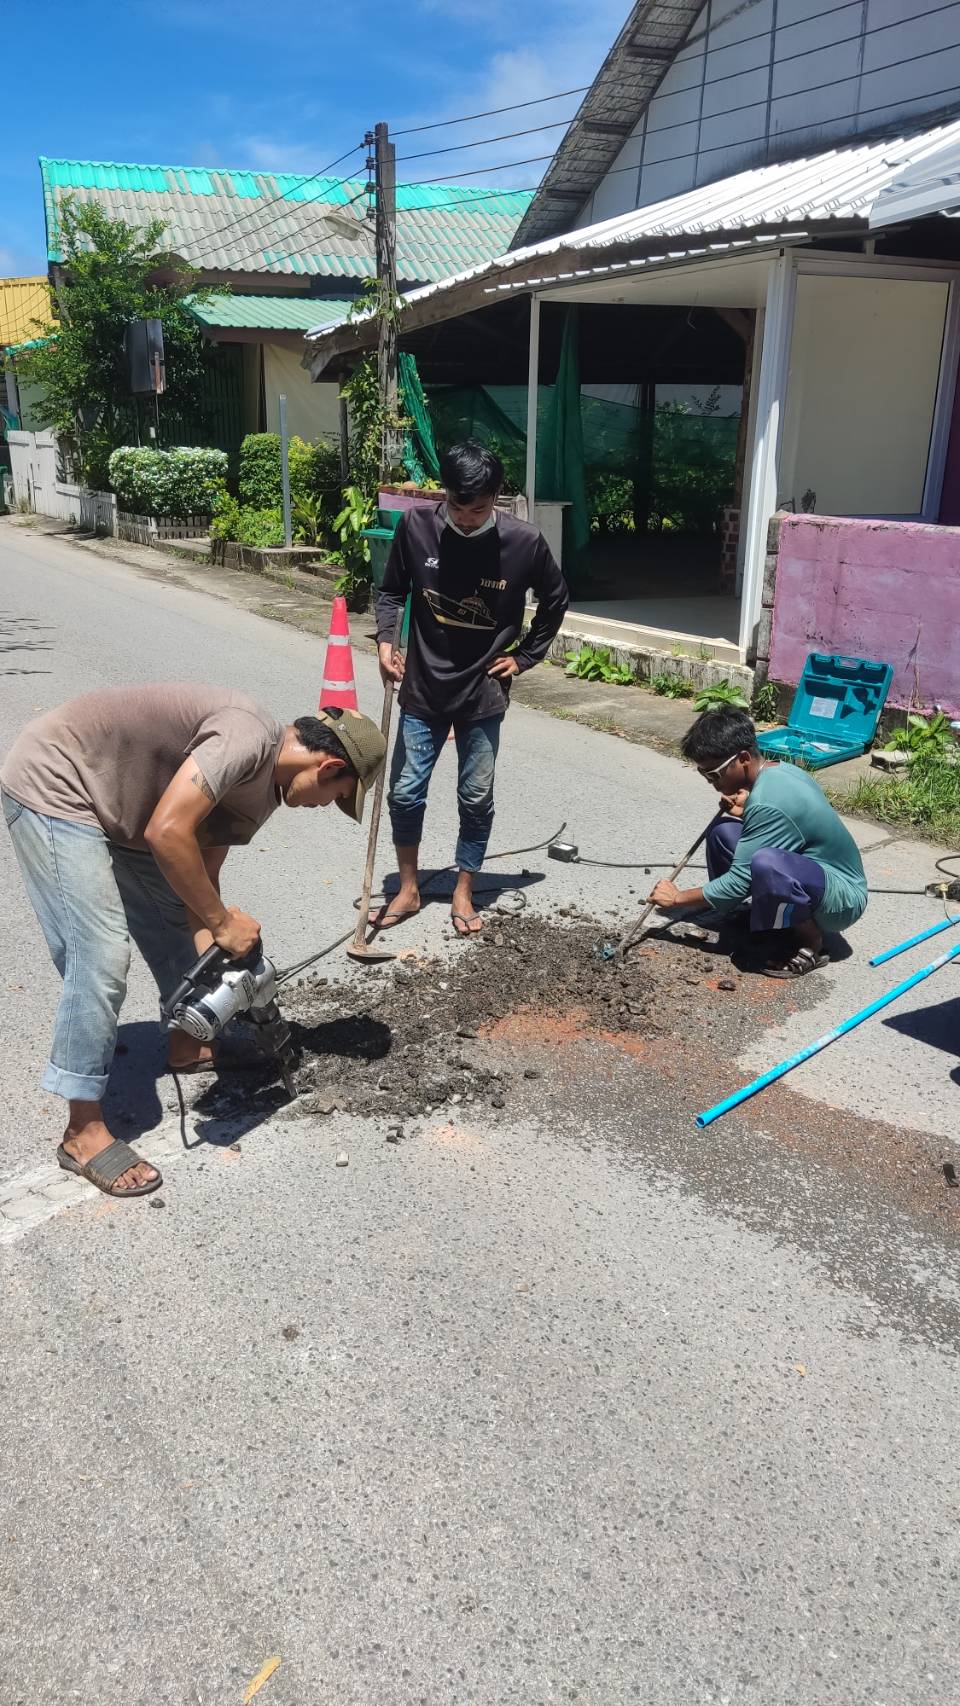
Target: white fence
<point>151,529</point>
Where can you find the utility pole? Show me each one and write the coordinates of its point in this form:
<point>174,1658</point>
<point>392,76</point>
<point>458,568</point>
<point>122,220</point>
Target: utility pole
<point>385,183</point>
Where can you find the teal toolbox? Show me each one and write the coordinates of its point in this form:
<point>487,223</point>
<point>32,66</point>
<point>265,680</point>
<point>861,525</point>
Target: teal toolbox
<point>834,714</point>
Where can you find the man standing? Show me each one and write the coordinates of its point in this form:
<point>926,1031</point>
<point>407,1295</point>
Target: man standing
<point>779,845</point>
<point>468,569</point>
<point>122,806</point>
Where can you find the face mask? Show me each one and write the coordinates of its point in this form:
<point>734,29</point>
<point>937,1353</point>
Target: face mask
<point>484,527</point>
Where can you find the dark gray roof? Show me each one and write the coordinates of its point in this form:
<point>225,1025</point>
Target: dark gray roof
<point>638,61</point>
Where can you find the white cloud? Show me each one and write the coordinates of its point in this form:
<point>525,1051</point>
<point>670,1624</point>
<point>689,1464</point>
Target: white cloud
<point>555,48</point>
<point>273,154</point>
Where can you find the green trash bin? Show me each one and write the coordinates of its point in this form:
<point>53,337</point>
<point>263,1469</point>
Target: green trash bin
<point>380,539</point>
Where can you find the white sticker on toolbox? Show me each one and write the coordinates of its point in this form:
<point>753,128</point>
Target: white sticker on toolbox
<point>825,708</point>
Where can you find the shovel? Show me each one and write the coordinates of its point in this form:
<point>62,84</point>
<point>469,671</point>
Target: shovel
<point>360,948</point>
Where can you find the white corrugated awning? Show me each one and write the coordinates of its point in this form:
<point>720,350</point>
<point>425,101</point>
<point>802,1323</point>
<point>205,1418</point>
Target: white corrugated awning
<point>928,185</point>
<point>843,188</point>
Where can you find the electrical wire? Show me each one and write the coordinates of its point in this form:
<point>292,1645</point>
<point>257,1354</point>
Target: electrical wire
<point>284,196</point>
<point>493,112</point>
<point>485,141</point>
<point>425,883</point>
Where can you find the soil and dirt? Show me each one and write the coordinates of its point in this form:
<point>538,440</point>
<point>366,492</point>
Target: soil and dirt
<point>406,1039</point>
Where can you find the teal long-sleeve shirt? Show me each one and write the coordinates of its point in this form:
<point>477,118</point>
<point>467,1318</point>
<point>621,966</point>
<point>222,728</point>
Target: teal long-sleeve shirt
<point>786,808</point>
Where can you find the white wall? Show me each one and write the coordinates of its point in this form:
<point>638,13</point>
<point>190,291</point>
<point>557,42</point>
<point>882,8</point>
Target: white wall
<point>864,367</point>
<point>313,411</point>
<point>750,86</point>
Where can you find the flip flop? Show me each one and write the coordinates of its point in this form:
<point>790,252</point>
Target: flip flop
<point>459,918</point>
<point>800,964</point>
<point>391,919</point>
<point>105,1169</point>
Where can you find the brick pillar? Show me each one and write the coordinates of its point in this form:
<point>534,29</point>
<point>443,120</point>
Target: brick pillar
<point>729,548</point>
<point>768,597</point>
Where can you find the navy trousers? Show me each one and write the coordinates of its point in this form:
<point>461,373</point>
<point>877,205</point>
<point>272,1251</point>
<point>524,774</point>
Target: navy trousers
<point>785,888</point>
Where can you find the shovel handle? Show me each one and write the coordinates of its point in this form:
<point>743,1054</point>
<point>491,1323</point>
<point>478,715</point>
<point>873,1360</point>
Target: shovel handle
<point>363,916</point>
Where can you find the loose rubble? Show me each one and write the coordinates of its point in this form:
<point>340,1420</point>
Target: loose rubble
<point>412,1041</point>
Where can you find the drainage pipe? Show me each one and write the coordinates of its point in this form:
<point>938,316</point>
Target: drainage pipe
<point>911,942</point>
<point>724,1107</point>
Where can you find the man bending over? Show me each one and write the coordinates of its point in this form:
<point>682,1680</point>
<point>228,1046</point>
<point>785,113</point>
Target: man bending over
<point>122,806</point>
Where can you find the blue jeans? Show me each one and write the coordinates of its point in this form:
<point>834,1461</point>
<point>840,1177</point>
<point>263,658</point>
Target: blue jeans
<point>419,745</point>
<point>90,898</point>
<point>785,888</point>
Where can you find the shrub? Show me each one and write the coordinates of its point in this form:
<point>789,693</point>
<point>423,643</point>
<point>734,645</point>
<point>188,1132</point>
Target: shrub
<point>595,663</point>
<point>922,734</point>
<point>721,693</point>
<point>168,482</point>
<point>260,528</point>
<point>672,686</point>
<point>314,470</point>
<point>226,518</point>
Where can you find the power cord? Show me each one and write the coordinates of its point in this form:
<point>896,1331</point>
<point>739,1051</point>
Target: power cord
<point>426,883</point>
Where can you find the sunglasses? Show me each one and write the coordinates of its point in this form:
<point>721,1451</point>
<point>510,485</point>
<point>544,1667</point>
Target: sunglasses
<point>712,775</point>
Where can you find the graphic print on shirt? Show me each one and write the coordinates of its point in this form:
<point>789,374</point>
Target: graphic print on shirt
<point>460,612</point>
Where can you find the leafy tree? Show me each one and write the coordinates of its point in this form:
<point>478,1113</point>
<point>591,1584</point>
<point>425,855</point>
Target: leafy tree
<point>109,279</point>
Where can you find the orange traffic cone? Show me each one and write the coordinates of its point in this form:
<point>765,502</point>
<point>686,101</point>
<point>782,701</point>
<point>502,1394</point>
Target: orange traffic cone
<point>339,686</point>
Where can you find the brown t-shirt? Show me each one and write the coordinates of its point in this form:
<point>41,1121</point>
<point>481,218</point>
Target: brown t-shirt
<point>107,757</point>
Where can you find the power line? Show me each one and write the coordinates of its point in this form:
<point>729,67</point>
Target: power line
<point>492,112</point>
<point>283,196</point>
<point>319,219</point>
<point>485,141</point>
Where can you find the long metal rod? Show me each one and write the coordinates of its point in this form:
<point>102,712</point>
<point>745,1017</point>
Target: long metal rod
<point>360,934</point>
<point>724,1107</point>
<point>635,929</point>
<point>911,942</point>
<point>285,473</point>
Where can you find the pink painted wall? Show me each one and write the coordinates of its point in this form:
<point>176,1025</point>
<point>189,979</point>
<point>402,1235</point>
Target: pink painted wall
<point>876,589</point>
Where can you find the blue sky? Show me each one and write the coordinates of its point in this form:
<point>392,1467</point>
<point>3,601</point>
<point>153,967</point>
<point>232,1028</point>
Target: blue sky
<point>286,85</point>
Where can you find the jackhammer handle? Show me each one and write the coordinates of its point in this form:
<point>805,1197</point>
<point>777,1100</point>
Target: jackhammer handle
<point>217,956</point>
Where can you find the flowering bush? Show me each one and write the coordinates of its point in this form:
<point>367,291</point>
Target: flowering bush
<point>168,482</point>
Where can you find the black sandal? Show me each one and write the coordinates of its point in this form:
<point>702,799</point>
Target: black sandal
<point>800,964</point>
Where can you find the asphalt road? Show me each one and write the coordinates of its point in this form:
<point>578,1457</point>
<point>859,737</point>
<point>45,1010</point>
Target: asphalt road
<point>583,1406</point>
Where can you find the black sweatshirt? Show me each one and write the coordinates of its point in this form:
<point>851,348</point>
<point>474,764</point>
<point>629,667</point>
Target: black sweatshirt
<point>467,607</point>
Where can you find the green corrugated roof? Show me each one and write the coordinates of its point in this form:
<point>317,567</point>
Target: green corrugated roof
<point>274,221</point>
<point>271,313</point>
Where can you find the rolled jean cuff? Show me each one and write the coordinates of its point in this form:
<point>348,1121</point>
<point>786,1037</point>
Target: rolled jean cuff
<point>74,1086</point>
<point>470,855</point>
<point>406,827</point>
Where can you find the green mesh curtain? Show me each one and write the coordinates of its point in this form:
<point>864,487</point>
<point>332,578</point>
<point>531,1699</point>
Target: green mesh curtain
<point>419,450</point>
<point>561,473</point>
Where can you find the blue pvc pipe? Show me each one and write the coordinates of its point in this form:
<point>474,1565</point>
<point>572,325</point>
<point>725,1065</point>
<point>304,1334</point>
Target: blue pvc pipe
<point>911,942</point>
<point>719,1108</point>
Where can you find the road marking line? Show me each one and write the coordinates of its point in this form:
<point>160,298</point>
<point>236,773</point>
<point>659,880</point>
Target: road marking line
<point>32,1198</point>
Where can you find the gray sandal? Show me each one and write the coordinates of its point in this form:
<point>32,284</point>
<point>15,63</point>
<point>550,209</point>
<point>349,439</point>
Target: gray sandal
<point>105,1169</point>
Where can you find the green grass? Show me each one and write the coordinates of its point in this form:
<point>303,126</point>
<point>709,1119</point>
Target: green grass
<point>925,798</point>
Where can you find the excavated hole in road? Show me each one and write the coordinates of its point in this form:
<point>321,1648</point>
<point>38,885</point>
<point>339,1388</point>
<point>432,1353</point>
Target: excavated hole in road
<point>408,1038</point>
